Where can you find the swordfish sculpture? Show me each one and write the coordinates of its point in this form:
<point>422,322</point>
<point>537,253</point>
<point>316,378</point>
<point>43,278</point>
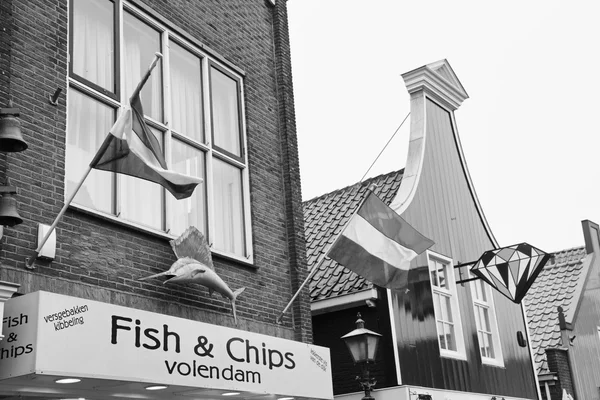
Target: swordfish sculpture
<point>194,265</point>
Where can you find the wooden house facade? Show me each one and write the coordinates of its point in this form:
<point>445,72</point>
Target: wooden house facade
<point>444,339</point>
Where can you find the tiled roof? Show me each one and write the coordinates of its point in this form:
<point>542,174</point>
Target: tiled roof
<point>324,219</point>
<point>556,285</point>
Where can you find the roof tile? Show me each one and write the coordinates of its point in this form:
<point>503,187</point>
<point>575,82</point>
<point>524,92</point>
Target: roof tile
<point>555,286</point>
<point>324,219</point>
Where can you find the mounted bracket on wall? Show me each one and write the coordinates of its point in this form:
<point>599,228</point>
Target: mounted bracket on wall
<point>53,99</point>
<point>47,252</point>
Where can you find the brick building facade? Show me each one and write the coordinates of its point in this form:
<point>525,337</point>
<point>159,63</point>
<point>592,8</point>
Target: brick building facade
<point>242,140</point>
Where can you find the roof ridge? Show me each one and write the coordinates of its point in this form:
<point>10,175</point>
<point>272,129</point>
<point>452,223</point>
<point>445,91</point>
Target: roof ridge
<point>365,182</point>
<point>570,249</point>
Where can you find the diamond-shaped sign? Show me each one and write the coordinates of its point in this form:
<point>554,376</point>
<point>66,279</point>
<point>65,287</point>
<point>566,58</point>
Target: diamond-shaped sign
<point>511,270</point>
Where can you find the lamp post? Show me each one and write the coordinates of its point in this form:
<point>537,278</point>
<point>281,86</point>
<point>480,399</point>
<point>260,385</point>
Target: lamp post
<point>362,344</point>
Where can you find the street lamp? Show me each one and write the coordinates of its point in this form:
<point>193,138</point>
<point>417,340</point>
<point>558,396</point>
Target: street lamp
<point>362,344</point>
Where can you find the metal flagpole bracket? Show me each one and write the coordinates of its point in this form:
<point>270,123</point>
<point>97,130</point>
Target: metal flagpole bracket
<point>468,280</point>
<point>460,273</point>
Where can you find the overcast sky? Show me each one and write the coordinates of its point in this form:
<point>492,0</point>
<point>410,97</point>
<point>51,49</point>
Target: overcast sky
<point>529,129</point>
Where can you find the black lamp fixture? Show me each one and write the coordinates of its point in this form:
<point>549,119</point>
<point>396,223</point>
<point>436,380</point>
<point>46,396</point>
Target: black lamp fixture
<point>363,344</point>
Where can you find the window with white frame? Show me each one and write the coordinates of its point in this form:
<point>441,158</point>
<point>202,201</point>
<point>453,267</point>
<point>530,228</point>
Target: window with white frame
<point>193,104</point>
<point>446,308</point>
<point>488,336</point>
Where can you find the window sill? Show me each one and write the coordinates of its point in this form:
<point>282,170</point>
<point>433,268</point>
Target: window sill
<point>247,262</point>
<point>492,362</point>
<point>453,354</point>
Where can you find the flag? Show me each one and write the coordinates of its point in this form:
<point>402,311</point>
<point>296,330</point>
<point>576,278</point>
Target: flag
<point>130,148</point>
<point>378,244</point>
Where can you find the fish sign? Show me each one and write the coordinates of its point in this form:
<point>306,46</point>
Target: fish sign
<point>194,265</point>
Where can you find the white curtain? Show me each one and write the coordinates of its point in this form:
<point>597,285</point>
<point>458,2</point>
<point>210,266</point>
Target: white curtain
<point>140,200</point>
<point>186,93</point>
<point>228,208</point>
<point>88,124</point>
<point>190,211</point>
<point>140,43</point>
<point>93,41</point>
<point>225,112</point>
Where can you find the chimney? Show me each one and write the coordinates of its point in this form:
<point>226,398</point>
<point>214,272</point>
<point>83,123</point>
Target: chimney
<point>591,233</point>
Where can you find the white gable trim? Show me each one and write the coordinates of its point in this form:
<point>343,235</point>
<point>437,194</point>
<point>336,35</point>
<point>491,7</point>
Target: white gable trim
<point>365,297</point>
<point>444,89</point>
<point>439,81</point>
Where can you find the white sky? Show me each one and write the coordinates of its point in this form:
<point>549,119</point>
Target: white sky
<point>529,129</point>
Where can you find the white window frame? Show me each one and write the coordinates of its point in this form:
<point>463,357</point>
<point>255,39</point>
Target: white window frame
<point>207,147</point>
<point>498,359</point>
<point>546,390</point>
<point>452,293</point>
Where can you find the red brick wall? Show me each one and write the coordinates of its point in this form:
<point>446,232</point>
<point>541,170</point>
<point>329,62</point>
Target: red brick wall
<point>293,194</point>
<point>558,362</point>
<point>100,259</point>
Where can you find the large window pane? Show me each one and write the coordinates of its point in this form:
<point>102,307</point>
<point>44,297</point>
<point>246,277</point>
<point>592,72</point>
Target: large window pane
<point>93,42</point>
<point>111,47</point>
<point>485,319</point>
<point>447,309</point>
<point>141,42</point>
<point>190,211</point>
<point>88,124</point>
<point>438,275</point>
<point>229,214</point>
<point>225,112</point>
<point>141,200</point>
<point>441,335</point>
<point>449,329</point>
<point>186,93</point>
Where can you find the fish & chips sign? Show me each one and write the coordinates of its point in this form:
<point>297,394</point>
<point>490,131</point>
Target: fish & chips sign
<point>77,337</point>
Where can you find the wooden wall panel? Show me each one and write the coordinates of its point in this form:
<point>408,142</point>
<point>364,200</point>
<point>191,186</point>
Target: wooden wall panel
<point>443,209</point>
<point>585,350</point>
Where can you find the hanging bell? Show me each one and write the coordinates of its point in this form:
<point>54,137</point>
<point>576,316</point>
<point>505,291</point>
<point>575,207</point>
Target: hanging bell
<point>11,139</point>
<point>8,210</point>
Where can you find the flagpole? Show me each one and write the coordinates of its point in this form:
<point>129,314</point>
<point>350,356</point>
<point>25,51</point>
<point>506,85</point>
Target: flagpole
<point>138,88</point>
<point>310,275</point>
<point>31,260</point>
<point>370,190</point>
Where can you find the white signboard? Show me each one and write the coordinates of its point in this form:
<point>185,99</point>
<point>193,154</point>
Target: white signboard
<point>18,348</point>
<point>83,338</point>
